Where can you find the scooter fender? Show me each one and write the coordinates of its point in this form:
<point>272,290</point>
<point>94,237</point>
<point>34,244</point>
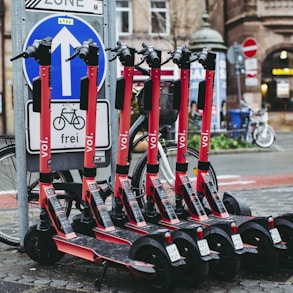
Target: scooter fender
<point>190,236</point>
<point>235,205</point>
<point>157,240</point>
<point>246,248</point>
<point>209,231</point>
<point>284,219</point>
<point>260,224</point>
<point>285,223</point>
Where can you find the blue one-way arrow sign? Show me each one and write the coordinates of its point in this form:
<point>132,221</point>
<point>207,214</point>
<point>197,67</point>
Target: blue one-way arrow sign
<point>68,32</point>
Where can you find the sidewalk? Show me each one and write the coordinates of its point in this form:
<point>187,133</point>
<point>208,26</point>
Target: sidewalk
<point>18,273</point>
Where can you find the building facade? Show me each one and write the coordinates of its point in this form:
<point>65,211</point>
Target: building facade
<point>270,23</point>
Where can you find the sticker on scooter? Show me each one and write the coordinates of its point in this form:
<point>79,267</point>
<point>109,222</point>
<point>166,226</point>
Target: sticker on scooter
<point>237,241</point>
<point>203,247</point>
<point>173,252</point>
<point>275,235</point>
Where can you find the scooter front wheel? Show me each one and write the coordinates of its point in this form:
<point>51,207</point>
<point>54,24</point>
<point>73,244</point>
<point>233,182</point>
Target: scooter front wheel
<point>227,267</point>
<point>40,246</point>
<point>162,281</point>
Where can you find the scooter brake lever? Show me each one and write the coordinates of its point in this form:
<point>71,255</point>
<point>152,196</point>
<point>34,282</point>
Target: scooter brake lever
<point>18,56</point>
<point>166,61</point>
<point>73,55</point>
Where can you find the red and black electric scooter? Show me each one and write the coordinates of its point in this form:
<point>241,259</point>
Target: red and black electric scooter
<point>156,197</point>
<point>47,241</point>
<point>257,231</point>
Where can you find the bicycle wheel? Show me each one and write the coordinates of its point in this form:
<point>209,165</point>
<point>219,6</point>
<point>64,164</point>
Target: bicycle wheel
<point>9,224</point>
<point>263,136</point>
<point>167,179</point>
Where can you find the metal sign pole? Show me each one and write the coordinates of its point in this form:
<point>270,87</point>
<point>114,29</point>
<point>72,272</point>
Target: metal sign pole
<point>18,15</point>
<point>110,41</point>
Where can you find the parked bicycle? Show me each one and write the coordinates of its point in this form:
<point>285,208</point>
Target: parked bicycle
<point>9,224</point>
<point>258,130</point>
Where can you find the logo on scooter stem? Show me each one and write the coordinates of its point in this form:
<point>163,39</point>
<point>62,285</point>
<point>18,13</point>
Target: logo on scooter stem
<point>124,140</point>
<point>153,139</point>
<point>182,139</point>
<point>205,138</point>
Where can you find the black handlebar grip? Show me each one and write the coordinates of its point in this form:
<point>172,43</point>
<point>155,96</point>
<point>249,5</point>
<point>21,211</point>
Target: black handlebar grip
<point>177,56</point>
<point>127,56</point>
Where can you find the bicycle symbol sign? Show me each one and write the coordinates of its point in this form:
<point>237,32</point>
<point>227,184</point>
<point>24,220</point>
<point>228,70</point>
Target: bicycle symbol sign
<point>70,117</point>
<point>68,127</point>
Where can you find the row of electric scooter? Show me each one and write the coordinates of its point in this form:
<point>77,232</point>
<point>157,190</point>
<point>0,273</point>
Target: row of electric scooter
<point>151,238</point>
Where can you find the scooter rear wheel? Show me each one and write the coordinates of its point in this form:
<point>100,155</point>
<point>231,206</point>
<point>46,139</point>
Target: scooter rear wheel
<point>228,266</point>
<point>40,246</point>
<point>163,281</point>
<point>267,257</point>
<point>196,270</point>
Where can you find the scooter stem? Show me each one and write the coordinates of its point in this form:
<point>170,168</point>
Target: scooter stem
<point>203,163</point>
<point>181,163</point>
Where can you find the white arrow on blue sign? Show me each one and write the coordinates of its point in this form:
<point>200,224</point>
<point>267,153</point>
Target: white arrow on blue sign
<point>67,32</point>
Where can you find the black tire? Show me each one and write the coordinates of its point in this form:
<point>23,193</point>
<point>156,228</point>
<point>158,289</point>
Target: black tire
<point>9,224</point>
<point>163,281</point>
<point>138,178</point>
<point>195,272</point>
<point>263,138</point>
<point>228,266</point>
<point>286,256</point>
<point>40,246</point>
<point>267,257</point>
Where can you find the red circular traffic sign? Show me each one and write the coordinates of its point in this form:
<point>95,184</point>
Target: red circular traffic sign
<point>249,47</point>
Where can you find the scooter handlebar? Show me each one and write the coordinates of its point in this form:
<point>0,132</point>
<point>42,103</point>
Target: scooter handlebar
<point>87,52</point>
<point>125,53</point>
<point>202,56</point>
<point>151,55</point>
<point>32,50</point>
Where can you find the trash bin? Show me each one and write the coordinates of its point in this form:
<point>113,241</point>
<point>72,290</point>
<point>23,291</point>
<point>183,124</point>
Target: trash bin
<point>239,119</point>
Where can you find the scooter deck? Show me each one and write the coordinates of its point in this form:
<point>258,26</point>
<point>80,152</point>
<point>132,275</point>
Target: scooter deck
<point>96,250</point>
<point>118,235</point>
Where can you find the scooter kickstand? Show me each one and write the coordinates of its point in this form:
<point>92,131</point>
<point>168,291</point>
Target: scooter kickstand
<point>98,282</point>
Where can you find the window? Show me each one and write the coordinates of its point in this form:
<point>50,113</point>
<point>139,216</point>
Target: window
<point>123,17</point>
<point>159,16</point>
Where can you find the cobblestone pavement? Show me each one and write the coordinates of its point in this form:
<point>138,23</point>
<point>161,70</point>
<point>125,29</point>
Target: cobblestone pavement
<point>18,273</point>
